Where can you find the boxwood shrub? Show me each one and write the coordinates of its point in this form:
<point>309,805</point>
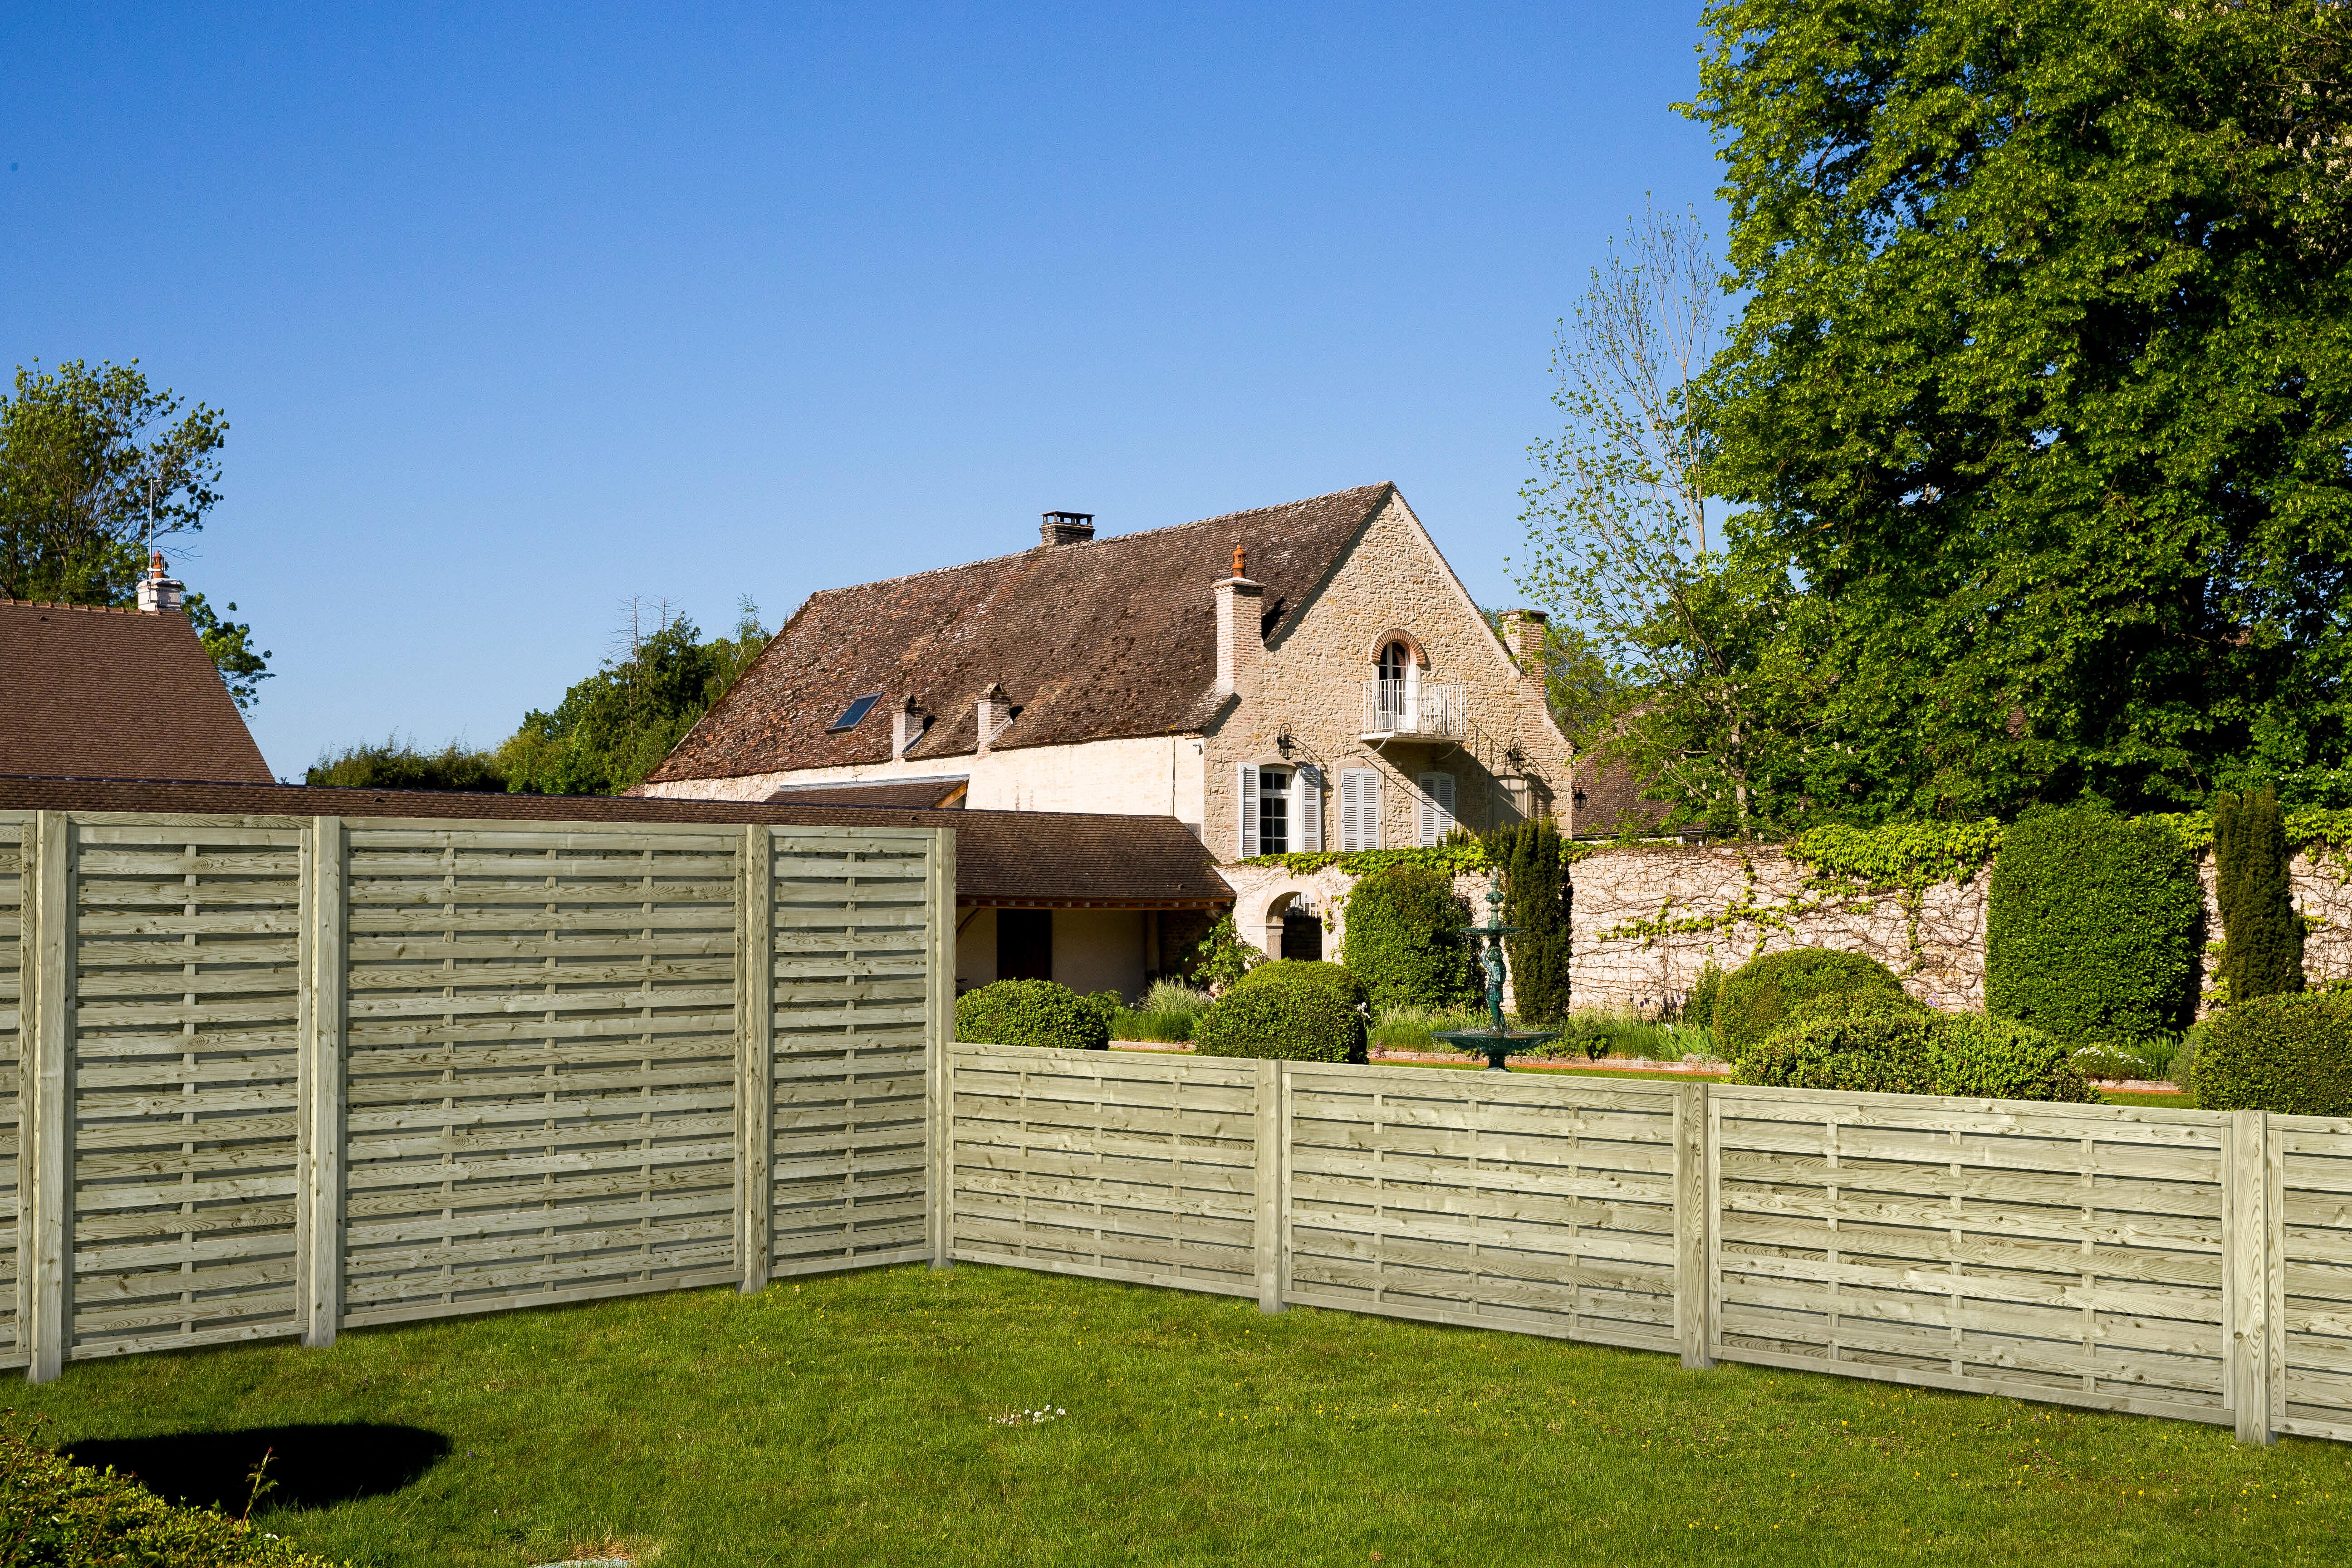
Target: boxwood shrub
<point>1404,939</point>
<point>63,1515</point>
<point>2290,1054</point>
<point>2093,926</point>
<point>1916,1050</point>
<point>1756,997</point>
<point>1032,1013</point>
<point>1291,1009</point>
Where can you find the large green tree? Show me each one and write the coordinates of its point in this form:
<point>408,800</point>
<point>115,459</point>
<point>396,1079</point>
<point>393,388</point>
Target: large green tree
<point>94,464</point>
<point>2042,389</point>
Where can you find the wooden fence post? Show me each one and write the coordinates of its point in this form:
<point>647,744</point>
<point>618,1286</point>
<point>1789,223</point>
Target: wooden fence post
<point>320,1132</point>
<point>939,1078</point>
<point>1693,1227</point>
<point>1272,1183</point>
<point>44,1101</point>
<point>755,1060</point>
<point>2246,1188</point>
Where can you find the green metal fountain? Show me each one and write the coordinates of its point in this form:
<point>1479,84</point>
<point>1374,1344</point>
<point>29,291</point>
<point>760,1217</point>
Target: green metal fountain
<point>1495,1042</point>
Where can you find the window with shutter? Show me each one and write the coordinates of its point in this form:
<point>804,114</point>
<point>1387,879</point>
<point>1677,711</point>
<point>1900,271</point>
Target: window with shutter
<point>1360,809</point>
<point>1436,808</point>
<point>1249,811</point>
<point>1309,808</point>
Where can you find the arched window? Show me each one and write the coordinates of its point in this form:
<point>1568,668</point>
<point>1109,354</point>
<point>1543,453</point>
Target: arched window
<point>1399,691</point>
<point>1395,660</point>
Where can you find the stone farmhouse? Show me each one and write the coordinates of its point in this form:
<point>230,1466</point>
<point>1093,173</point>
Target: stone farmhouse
<point>1294,679</point>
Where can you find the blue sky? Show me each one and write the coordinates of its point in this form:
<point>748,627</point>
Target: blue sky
<point>518,314</point>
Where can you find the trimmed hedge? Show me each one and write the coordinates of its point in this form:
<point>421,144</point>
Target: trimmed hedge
<point>1756,998</point>
<point>1293,1010</point>
<point>1032,1012</point>
<point>1404,939</point>
<point>1917,1051</point>
<point>57,1514</point>
<point>2290,1054</point>
<point>2093,933</point>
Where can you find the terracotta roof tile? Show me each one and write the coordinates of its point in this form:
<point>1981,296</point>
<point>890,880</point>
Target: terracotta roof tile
<point>1112,638</point>
<point>101,693</point>
<point>1019,859</point>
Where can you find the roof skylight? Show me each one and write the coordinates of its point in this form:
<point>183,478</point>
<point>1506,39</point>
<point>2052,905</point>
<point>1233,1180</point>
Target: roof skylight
<point>856,710</point>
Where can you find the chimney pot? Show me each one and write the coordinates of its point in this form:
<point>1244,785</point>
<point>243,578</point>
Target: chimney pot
<point>1525,631</point>
<point>1066,528</point>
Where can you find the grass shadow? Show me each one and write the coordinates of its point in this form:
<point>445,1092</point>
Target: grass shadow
<point>313,1466</point>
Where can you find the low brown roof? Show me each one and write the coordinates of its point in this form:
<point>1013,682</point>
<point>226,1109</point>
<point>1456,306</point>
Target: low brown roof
<point>945,794</point>
<point>1112,638</point>
<point>1022,859</point>
<point>124,694</point>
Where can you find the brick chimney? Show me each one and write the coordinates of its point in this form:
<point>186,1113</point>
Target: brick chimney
<point>906,728</point>
<point>1066,528</point>
<point>158,592</point>
<point>990,716</point>
<point>1523,630</point>
<point>1241,632</point>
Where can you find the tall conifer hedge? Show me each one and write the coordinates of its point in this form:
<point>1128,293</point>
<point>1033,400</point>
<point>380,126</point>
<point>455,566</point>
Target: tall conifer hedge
<point>2262,936</point>
<point>1536,897</point>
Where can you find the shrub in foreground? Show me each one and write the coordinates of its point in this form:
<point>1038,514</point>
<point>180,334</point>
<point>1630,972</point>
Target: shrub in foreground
<point>1404,938</point>
<point>1290,1009</point>
<point>2290,1053</point>
<point>1032,1013</point>
<point>1917,1051</point>
<point>2091,930</point>
<point>58,1514</point>
<point>1756,997</point>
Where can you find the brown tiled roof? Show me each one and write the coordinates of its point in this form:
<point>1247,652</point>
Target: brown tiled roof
<point>919,794</point>
<point>122,694</point>
<point>1015,858</point>
<point>1608,799</point>
<point>1093,641</point>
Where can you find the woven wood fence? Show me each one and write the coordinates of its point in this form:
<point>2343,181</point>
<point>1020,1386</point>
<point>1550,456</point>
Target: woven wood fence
<point>275,1076</point>
<point>2182,1263</point>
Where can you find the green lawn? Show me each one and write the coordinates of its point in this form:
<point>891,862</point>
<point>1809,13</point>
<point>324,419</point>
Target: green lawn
<point>848,1421</point>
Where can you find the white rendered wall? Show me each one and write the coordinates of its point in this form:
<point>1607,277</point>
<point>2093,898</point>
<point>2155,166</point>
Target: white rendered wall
<point>1093,949</point>
<point>975,949</point>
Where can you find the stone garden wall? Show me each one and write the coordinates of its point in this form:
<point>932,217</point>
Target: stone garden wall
<point>1649,915</point>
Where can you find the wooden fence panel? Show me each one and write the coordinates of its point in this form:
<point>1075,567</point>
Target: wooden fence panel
<point>16,830</point>
<point>180,1206</point>
<point>1111,1165</point>
<point>2074,1253</point>
<point>540,1064</point>
<point>852,1014</point>
<point>2311,1219</point>
<point>1506,1201</point>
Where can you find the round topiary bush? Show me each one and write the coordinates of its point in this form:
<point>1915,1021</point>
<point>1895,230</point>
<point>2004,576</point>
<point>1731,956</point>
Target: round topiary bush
<point>1032,1013</point>
<point>2091,928</point>
<point>1756,997</point>
<point>1292,1010</point>
<point>2290,1054</point>
<point>1404,939</point>
<point>1916,1050</point>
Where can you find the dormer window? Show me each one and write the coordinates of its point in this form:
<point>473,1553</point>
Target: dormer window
<point>1396,696</point>
<point>856,710</point>
<point>1395,660</point>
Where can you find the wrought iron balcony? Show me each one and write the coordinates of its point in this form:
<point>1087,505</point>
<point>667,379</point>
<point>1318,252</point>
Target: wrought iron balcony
<point>1432,709</point>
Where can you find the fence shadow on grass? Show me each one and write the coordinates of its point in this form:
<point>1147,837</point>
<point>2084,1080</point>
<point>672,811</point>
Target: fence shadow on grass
<point>313,1466</point>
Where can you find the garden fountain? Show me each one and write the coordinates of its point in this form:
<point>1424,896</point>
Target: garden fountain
<point>1495,1042</point>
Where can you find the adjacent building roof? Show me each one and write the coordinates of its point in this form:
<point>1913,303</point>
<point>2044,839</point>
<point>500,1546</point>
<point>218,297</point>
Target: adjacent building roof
<point>1090,641</point>
<point>1018,859</point>
<point>119,694</point>
<point>943,794</point>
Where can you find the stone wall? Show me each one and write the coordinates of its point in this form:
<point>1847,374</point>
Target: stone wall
<point>1619,886</point>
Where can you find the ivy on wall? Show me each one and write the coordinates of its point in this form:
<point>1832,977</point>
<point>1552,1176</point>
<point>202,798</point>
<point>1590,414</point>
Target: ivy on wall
<point>1454,859</point>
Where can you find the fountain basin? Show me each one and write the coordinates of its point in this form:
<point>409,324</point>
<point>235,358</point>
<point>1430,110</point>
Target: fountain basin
<point>1495,1044</point>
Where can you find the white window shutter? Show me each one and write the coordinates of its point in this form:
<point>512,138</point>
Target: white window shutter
<point>1352,810</point>
<point>1436,808</point>
<point>1308,802</point>
<point>1249,811</point>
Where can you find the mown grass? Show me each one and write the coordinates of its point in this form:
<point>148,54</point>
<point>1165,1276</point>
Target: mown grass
<point>848,1421</point>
